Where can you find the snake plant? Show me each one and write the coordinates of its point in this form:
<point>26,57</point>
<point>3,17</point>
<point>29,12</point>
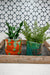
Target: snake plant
<point>13,33</point>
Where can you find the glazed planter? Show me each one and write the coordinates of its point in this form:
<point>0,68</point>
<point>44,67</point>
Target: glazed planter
<point>33,48</point>
<point>13,47</point>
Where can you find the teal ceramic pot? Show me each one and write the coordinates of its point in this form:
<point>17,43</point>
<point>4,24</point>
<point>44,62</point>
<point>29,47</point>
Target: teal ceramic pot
<point>33,48</point>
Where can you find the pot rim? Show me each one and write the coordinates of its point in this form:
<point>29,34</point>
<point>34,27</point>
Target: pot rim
<point>34,42</point>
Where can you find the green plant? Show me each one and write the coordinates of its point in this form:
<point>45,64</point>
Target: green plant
<point>37,34</point>
<point>13,33</point>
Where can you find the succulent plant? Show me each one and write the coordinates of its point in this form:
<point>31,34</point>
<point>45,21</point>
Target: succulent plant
<point>13,33</point>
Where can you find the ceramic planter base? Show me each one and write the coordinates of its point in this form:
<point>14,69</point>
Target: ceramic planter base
<point>33,48</point>
<point>13,47</point>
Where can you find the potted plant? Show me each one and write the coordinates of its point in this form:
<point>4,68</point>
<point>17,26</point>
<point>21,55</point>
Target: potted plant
<point>12,44</point>
<point>35,37</point>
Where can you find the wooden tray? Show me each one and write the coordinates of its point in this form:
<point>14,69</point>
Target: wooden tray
<point>47,45</point>
<point>24,58</point>
<point>1,44</point>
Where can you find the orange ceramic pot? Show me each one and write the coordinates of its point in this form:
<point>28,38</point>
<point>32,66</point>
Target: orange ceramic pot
<point>13,47</point>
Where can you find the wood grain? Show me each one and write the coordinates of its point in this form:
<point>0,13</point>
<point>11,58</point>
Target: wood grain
<point>48,48</point>
<point>1,44</point>
<point>47,45</point>
<point>24,59</point>
<point>24,42</point>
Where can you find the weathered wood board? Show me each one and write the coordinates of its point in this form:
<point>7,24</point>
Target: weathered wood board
<point>1,44</point>
<point>24,59</point>
<point>47,45</point>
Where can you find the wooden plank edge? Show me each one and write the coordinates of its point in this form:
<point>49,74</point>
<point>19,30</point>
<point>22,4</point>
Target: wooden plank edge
<point>24,42</point>
<point>46,44</point>
<point>48,48</point>
<point>24,59</point>
<point>1,44</point>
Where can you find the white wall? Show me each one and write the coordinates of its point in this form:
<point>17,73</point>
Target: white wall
<point>24,69</point>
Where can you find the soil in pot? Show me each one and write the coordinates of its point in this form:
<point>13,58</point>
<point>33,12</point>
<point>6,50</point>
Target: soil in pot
<point>13,47</point>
